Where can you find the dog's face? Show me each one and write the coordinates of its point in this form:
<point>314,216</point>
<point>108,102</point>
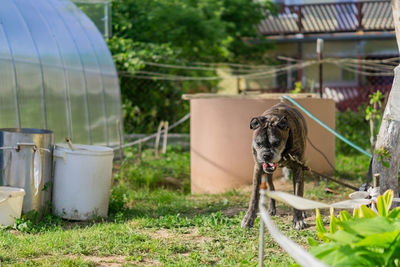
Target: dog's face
<point>270,137</point>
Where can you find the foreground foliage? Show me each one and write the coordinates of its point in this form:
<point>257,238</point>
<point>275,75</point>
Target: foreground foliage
<point>365,239</point>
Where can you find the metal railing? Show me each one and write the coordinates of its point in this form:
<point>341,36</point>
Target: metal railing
<point>329,18</point>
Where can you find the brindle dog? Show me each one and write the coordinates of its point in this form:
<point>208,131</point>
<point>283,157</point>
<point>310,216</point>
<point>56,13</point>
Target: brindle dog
<point>279,132</point>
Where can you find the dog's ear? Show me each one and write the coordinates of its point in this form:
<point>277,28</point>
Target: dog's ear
<point>257,122</point>
<point>283,123</point>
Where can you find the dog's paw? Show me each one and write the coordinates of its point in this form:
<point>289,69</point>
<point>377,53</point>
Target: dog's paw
<point>299,224</point>
<point>247,222</point>
<point>272,211</point>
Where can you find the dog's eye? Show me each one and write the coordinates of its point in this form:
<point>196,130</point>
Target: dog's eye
<point>276,143</point>
<point>259,143</point>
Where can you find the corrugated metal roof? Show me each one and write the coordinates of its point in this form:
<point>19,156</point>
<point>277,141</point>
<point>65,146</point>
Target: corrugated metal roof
<point>329,18</point>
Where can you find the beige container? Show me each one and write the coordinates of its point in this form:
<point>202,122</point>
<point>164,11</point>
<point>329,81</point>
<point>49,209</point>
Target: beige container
<point>221,157</point>
<point>11,200</point>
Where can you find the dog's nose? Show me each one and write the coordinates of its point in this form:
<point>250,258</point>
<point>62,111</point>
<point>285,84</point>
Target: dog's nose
<point>267,157</point>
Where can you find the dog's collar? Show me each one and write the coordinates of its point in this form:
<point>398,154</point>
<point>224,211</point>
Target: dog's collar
<point>295,159</point>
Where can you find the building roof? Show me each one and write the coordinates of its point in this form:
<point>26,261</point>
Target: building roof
<point>356,18</point>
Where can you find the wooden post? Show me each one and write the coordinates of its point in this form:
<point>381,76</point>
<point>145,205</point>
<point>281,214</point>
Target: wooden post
<point>387,148</point>
<point>376,180</point>
<point>119,131</point>
<point>165,139</point>
<point>320,45</point>
<point>157,143</point>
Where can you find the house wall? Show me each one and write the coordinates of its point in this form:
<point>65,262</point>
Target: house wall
<point>333,73</point>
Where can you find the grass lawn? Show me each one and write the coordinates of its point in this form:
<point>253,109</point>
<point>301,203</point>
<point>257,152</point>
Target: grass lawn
<point>154,220</point>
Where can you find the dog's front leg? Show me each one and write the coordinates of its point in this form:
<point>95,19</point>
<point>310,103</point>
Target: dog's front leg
<point>298,186</point>
<point>271,202</point>
<point>248,220</point>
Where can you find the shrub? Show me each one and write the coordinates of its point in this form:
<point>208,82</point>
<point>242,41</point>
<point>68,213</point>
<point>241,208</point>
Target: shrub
<point>354,127</point>
<point>365,239</point>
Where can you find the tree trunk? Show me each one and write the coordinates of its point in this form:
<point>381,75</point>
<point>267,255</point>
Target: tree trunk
<point>387,148</point>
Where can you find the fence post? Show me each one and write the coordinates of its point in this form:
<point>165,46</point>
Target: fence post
<point>119,131</point>
<point>165,139</point>
<point>263,201</point>
<point>156,145</point>
<point>320,47</point>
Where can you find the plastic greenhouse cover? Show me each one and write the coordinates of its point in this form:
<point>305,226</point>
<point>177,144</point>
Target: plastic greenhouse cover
<point>57,72</point>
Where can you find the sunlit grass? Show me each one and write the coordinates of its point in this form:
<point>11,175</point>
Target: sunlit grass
<point>153,222</point>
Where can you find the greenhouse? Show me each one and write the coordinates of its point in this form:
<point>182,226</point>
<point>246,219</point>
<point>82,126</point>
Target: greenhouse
<point>57,73</point>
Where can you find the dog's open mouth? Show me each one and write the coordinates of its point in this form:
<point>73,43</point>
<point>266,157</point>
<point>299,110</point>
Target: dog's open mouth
<point>270,167</point>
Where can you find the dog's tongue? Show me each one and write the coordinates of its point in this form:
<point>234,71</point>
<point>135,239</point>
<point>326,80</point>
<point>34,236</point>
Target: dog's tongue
<point>268,165</point>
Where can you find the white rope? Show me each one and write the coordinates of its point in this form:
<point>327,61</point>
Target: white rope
<point>299,254</point>
<point>154,135</point>
<point>306,204</point>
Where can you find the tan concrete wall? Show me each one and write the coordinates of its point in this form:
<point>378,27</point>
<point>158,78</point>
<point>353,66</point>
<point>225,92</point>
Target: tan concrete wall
<point>221,157</point>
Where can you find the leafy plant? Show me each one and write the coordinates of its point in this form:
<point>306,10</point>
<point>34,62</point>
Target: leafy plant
<point>177,33</point>
<point>365,239</point>
<point>298,87</point>
<point>373,114</point>
<point>383,156</point>
<point>354,127</point>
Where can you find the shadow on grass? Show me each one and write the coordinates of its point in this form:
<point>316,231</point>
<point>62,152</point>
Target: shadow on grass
<point>159,208</point>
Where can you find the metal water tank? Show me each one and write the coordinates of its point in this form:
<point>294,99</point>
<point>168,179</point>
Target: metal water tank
<point>26,162</point>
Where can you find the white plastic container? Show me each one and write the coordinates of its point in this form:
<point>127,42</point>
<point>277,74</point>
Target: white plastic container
<point>82,181</point>
<point>11,200</point>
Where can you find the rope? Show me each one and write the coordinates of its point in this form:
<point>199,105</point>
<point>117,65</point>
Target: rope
<point>298,253</point>
<point>341,137</point>
<point>322,154</point>
<point>307,168</point>
<point>142,140</point>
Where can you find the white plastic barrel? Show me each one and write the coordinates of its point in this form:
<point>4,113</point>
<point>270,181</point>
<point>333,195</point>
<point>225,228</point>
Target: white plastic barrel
<point>11,200</point>
<point>82,181</point>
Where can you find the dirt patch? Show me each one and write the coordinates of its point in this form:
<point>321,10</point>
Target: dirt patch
<point>233,211</point>
<point>106,261</point>
<point>194,235</point>
<point>161,234</point>
<point>189,235</point>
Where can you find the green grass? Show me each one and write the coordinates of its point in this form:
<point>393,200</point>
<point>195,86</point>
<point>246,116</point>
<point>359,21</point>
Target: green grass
<point>154,220</point>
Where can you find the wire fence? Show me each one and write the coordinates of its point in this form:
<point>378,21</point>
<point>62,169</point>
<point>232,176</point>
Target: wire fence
<point>348,81</point>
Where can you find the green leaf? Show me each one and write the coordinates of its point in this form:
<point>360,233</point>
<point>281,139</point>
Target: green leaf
<point>382,240</point>
<point>387,198</point>
<point>369,226</point>
<point>320,225</point>
<point>343,237</point>
<point>333,222</point>
<point>324,249</point>
<point>394,213</point>
<point>366,212</point>
<point>312,242</point>
<point>344,215</point>
<point>356,213</point>
<point>339,256</point>
<point>384,202</point>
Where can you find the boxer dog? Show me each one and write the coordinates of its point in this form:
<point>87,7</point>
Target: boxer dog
<point>279,137</point>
